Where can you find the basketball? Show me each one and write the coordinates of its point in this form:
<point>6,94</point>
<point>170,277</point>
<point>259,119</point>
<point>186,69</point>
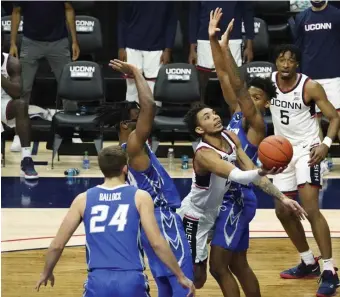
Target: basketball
<point>275,151</point>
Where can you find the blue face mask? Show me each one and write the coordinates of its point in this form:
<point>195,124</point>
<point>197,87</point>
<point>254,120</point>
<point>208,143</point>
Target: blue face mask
<point>318,4</point>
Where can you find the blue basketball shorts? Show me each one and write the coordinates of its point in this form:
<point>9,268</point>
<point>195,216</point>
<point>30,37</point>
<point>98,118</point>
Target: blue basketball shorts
<point>232,224</point>
<point>108,283</point>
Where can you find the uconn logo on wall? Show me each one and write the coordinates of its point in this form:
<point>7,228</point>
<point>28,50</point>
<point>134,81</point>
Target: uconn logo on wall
<point>84,26</point>
<point>82,71</point>
<point>178,74</point>
<point>6,25</point>
<point>260,71</point>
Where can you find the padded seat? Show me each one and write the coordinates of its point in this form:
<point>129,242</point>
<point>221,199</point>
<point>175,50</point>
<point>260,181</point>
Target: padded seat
<point>170,123</point>
<point>71,118</point>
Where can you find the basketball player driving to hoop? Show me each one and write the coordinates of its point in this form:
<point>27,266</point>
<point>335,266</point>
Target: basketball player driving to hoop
<point>294,117</point>
<point>214,170</point>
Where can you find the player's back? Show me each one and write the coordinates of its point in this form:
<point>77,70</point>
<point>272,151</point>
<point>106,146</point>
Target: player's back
<point>156,181</point>
<point>112,227</point>
<point>292,117</point>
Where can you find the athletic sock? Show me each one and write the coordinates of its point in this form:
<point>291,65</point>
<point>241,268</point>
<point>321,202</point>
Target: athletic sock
<point>308,257</point>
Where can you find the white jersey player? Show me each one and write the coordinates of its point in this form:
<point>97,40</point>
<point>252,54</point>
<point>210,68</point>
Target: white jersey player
<point>214,169</point>
<point>294,117</point>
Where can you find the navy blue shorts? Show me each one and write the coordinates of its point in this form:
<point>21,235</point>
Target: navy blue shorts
<point>108,283</point>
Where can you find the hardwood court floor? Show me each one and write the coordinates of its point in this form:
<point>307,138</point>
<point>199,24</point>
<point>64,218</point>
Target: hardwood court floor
<point>267,256</point>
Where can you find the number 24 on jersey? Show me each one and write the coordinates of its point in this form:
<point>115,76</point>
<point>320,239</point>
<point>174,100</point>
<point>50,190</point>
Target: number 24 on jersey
<point>99,215</point>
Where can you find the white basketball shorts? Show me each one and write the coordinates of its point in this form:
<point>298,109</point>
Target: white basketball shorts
<point>205,60</point>
<point>298,172</point>
<point>197,225</point>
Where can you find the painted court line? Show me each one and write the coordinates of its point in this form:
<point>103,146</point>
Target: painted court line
<point>81,235</point>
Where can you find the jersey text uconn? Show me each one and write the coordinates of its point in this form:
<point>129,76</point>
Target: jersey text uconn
<point>318,26</point>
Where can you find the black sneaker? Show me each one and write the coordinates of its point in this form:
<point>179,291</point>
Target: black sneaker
<point>27,168</point>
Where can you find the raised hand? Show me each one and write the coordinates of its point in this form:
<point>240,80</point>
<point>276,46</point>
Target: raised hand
<point>226,35</point>
<point>215,17</point>
<point>122,67</point>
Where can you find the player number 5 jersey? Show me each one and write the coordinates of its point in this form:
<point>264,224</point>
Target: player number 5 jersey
<point>292,117</point>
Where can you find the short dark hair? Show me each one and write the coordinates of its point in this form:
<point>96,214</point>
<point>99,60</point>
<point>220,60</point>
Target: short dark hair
<point>265,84</point>
<point>282,49</point>
<point>190,119</point>
<point>112,160</point>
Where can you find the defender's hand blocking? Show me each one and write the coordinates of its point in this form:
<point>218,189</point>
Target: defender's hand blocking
<point>294,207</point>
<point>187,283</point>
<point>122,67</point>
<point>44,280</point>
<point>263,171</point>
<point>226,35</point>
<point>215,17</point>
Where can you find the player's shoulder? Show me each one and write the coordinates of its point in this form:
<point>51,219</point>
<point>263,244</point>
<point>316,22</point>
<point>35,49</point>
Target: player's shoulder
<point>311,85</point>
<point>233,137</point>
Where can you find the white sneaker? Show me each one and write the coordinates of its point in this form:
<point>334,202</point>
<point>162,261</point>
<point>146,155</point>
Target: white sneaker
<point>16,145</point>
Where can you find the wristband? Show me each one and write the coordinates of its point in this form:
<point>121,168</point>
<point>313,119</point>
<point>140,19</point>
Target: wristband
<point>327,141</point>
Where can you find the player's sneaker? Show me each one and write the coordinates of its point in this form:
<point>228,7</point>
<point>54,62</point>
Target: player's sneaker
<point>328,283</point>
<point>302,271</point>
<point>16,144</point>
<point>27,168</point>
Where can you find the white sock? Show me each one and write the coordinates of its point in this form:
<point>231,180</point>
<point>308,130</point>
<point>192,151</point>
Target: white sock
<point>26,152</point>
<point>308,257</point>
<point>328,265</point>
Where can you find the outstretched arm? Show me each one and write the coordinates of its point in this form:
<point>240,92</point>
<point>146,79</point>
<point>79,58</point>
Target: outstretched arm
<point>69,225</point>
<point>233,86</point>
<point>138,159</point>
<point>220,61</point>
<point>264,183</point>
<point>12,84</point>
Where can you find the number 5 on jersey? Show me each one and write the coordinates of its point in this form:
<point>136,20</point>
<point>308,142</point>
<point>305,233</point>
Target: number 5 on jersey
<point>284,117</point>
<point>99,215</point>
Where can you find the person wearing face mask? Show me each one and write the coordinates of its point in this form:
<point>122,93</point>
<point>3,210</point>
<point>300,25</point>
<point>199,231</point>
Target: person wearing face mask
<point>317,34</point>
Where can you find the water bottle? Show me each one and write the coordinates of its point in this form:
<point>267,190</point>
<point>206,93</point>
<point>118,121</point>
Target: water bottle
<point>86,161</point>
<point>71,172</point>
<point>83,110</point>
<point>185,162</point>
<point>171,158</point>
<point>329,162</point>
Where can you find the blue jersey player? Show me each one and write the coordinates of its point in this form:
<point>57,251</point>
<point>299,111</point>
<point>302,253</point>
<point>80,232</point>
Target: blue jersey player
<point>146,173</point>
<point>113,214</point>
<point>247,106</point>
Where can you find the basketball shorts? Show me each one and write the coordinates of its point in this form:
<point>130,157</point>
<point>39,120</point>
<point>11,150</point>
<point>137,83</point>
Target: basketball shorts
<point>298,172</point>
<point>232,224</point>
<point>108,283</point>
<point>332,89</point>
<point>205,60</point>
<point>4,104</point>
<point>148,62</point>
<point>197,225</point>
<point>171,226</point>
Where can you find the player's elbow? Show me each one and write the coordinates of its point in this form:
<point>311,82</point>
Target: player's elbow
<point>157,243</point>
